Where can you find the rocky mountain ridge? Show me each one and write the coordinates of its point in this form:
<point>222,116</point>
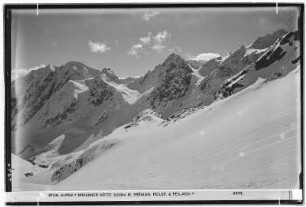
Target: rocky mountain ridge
<point>84,105</point>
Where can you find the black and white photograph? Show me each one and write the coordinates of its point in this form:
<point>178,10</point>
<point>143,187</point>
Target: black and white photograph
<point>147,99</point>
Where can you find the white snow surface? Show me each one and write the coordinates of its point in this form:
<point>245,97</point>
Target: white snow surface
<point>248,140</point>
<point>129,95</point>
<point>259,81</point>
<point>19,181</point>
<point>80,87</point>
<point>196,73</point>
<point>252,50</point>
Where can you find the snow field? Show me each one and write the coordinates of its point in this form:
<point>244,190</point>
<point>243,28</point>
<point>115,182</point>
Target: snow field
<point>240,142</point>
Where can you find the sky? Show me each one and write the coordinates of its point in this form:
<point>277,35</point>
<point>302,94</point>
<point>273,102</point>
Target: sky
<point>133,41</point>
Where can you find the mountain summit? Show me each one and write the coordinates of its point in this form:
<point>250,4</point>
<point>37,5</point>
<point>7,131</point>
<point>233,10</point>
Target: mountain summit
<point>268,39</point>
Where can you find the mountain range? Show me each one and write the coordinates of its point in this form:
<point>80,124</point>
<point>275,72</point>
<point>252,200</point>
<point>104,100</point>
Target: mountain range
<point>62,115</point>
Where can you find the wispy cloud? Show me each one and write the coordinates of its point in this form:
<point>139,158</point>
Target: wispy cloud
<point>146,40</point>
<point>150,42</point>
<point>149,14</point>
<point>176,49</point>
<point>16,73</point>
<point>160,38</point>
<point>135,49</point>
<point>97,47</point>
<point>158,48</point>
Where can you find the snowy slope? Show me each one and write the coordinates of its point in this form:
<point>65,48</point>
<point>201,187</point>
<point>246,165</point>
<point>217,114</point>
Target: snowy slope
<point>54,101</point>
<point>73,119</point>
<point>22,170</point>
<point>260,153</point>
<point>51,167</point>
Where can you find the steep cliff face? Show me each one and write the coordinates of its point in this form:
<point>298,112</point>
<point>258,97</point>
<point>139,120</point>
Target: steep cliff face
<point>164,87</point>
<point>174,82</point>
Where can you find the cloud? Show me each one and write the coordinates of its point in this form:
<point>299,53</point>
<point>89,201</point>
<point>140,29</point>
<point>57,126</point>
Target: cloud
<point>17,73</point>
<point>148,15</point>
<point>146,40</point>
<point>176,49</point>
<point>205,56</point>
<point>158,48</point>
<point>149,43</point>
<point>97,47</point>
<point>160,38</point>
<point>135,49</point>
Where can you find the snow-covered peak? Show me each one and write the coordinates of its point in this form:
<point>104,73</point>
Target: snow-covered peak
<point>267,40</point>
<point>275,62</point>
